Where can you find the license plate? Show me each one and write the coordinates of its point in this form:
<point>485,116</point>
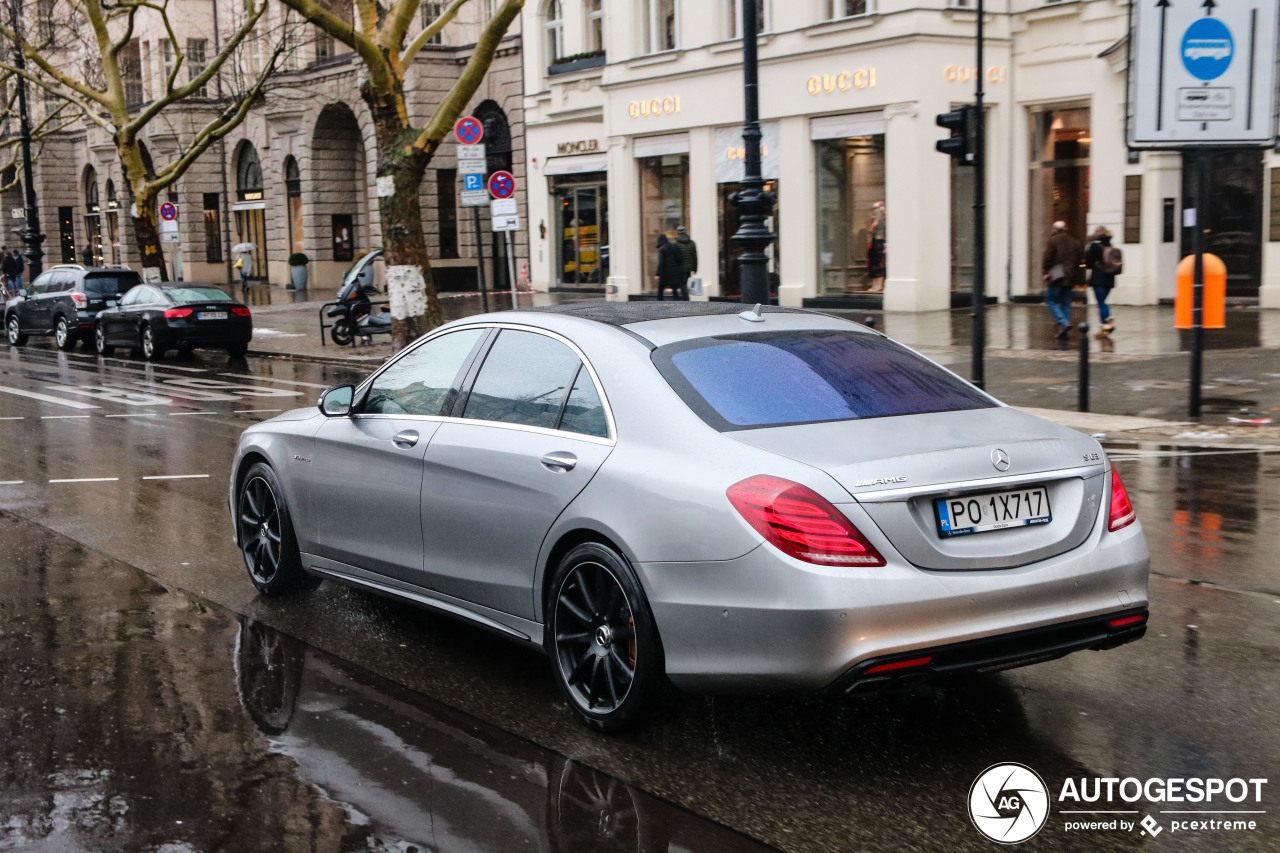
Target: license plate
<point>992,511</point>
<point>212,315</point>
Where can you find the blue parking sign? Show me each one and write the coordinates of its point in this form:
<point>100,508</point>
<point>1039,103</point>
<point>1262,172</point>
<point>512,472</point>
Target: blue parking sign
<point>473,182</point>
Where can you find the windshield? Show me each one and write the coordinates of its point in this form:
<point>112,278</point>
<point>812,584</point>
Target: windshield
<point>109,285</point>
<point>781,378</point>
<point>197,294</point>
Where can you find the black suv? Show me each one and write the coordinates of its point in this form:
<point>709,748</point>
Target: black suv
<point>64,301</point>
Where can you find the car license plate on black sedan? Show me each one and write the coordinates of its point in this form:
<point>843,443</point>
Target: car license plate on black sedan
<point>212,315</point>
<point>992,511</point>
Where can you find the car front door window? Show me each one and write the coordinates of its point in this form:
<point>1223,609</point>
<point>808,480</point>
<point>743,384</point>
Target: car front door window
<point>420,382</point>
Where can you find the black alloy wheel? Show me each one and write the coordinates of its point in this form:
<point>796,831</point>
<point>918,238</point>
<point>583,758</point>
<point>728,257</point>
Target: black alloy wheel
<point>265,532</point>
<point>62,334</point>
<point>14,331</point>
<point>100,340</point>
<point>150,348</point>
<point>604,648</point>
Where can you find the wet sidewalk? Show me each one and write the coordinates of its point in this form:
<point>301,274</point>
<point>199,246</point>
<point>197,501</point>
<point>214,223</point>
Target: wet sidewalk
<point>1141,371</point>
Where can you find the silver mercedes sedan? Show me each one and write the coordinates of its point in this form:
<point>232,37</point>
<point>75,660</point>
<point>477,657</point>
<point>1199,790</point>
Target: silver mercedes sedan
<point>691,493</point>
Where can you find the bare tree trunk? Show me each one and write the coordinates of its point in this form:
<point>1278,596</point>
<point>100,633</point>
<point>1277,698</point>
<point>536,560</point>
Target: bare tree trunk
<point>147,237</point>
<point>415,308</point>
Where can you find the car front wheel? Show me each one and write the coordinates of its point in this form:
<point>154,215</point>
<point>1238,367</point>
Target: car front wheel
<point>265,532</point>
<point>151,349</point>
<point>604,647</point>
<point>63,335</point>
<point>100,341</point>
<point>14,331</point>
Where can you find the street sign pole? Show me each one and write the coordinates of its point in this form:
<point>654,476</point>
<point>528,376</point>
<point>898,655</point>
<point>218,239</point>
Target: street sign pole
<point>1198,171</point>
<point>484,294</point>
<point>511,271</point>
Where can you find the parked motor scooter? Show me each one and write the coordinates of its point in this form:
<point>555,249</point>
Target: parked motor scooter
<point>353,315</point>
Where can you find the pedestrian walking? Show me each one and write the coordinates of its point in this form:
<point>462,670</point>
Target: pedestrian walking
<point>688,259</point>
<point>1104,262</point>
<point>877,260</point>
<point>670,268</point>
<point>19,267</point>
<point>86,255</point>
<point>1060,264</point>
<point>8,271</point>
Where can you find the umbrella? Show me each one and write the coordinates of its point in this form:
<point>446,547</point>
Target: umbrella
<point>244,247</point>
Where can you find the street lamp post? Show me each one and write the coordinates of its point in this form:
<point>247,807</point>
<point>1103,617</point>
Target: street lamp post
<point>753,203</point>
<point>978,291</point>
<point>33,237</point>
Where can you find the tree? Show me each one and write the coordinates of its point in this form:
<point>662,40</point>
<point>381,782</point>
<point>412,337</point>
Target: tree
<point>379,35</point>
<point>85,55</point>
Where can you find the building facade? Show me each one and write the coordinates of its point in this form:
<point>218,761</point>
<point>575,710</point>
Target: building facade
<point>633,119</point>
<point>299,175</point>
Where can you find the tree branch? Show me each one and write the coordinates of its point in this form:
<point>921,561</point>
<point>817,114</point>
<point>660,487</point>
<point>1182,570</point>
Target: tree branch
<point>431,31</point>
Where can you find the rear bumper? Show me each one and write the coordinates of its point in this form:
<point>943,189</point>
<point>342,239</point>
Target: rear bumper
<point>767,622</point>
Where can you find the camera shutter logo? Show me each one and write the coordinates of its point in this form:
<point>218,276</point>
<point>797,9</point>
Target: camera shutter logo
<point>1009,803</point>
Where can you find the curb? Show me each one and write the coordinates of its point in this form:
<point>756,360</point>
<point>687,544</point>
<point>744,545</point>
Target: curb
<point>336,361</point>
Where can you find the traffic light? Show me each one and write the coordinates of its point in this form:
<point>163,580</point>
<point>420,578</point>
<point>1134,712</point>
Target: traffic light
<point>960,144</point>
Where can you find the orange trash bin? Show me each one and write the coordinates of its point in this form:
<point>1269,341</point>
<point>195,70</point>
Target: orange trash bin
<point>1214,314</point>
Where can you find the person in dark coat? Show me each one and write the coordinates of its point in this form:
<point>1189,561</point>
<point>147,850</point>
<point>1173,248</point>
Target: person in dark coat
<point>19,267</point>
<point>670,269</point>
<point>86,255</point>
<point>1060,264</point>
<point>688,258</point>
<point>7,270</point>
<point>1101,277</point>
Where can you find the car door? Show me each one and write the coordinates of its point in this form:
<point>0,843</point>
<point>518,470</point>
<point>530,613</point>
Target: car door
<point>27,308</point>
<point>131,319</point>
<point>38,314</point>
<point>530,435</point>
<point>365,477</point>
<point>113,320</point>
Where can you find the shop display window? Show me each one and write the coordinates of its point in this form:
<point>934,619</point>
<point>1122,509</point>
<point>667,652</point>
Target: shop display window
<point>664,205</point>
<point>850,180</point>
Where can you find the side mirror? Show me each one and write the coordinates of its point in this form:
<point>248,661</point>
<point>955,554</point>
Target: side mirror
<point>336,402</point>
<point>22,291</point>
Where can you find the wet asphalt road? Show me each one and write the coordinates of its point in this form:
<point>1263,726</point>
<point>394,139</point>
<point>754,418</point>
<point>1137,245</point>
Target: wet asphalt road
<point>150,698</point>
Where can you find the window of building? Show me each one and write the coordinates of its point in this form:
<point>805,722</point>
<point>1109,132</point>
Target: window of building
<point>582,202</point>
<point>166,62</point>
<point>664,205</point>
<point>554,31</point>
<point>1133,209</point>
<point>962,4</point>
<point>1059,183</point>
<point>197,62</point>
<point>67,234</point>
<point>734,11</point>
<point>837,9</point>
<point>850,181</point>
<point>659,25</point>
<point>430,12</point>
<point>1275,205</point>
<point>131,73</point>
<point>212,229</point>
<point>292,48</point>
<point>447,211</point>
<point>595,26</point>
<point>45,29</point>
<point>325,45</point>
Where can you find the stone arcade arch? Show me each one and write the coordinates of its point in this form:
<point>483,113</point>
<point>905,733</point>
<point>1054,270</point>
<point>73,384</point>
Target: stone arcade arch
<point>337,191</point>
<point>250,210</point>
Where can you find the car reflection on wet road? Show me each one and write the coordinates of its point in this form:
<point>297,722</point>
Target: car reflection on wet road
<point>131,700</point>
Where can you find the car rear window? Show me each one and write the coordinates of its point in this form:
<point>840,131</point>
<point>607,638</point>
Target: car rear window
<point>781,378</point>
<point>197,294</point>
<point>109,285</point>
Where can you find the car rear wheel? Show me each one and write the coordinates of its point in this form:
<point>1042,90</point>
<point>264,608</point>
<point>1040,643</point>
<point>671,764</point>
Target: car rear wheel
<point>151,349</point>
<point>14,331</point>
<point>100,341</point>
<point>604,647</point>
<point>63,335</point>
<point>265,532</point>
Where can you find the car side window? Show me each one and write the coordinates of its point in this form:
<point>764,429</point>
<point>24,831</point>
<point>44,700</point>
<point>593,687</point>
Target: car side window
<point>147,296</point>
<point>419,383</point>
<point>583,411</point>
<point>62,283</point>
<point>524,380</point>
<point>129,298</point>
<point>41,284</point>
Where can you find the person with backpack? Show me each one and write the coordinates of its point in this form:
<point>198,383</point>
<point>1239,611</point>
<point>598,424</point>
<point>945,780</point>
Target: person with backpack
<point>1104,262</point>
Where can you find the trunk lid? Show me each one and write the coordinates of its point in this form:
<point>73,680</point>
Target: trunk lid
<point>896,467</point>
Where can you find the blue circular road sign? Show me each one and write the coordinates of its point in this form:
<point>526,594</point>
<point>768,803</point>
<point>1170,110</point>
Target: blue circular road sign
<point>1207,49</point>
<point>502,185</point>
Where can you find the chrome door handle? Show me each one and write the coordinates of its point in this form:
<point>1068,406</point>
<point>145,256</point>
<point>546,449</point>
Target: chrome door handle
<point>559,461</point>
<point>405,438</point>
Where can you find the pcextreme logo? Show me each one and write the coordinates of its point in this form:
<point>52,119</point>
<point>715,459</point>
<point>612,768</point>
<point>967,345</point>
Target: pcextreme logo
<point>1010,803</point>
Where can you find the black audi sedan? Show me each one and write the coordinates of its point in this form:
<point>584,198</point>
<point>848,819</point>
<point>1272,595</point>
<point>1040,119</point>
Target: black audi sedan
<point>154,318</point>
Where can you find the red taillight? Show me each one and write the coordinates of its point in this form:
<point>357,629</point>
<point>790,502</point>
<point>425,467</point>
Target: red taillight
<point>899,664</point>
<point>1122,514</point>
<point>175,313</point>
<point>1127,620</point>
<point>80,300</point>
<point>801,523</point>
<point>240,312</point>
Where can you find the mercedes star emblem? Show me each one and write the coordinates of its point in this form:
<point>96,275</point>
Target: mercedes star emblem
<point>1000,459</point>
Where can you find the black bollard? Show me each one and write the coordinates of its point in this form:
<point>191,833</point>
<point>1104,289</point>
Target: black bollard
<point>869,322</point>
<point>1083,382</point>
